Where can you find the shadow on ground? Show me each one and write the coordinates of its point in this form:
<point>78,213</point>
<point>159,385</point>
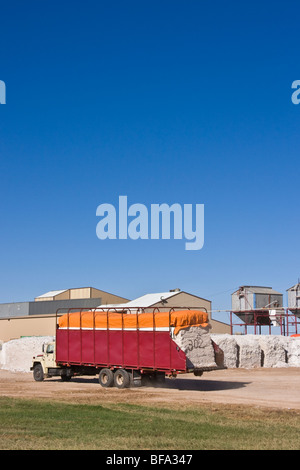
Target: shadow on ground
<point>196,384</point>
<point>203,385</point>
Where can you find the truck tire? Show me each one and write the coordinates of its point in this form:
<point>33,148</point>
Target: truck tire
<point>38,373</point>
<point>160,379</point>
<point>106,378</point>
<point>121,378</point>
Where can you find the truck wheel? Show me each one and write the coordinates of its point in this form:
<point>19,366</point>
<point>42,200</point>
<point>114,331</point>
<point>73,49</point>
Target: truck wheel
<point>122,378</point>
<point>160,379</point>
<point>106,378</point>
<point>38,373</point>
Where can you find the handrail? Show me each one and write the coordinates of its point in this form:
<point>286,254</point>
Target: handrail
<point>135,310</point>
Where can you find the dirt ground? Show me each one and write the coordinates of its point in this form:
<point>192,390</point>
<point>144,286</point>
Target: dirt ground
<point>271,388</point>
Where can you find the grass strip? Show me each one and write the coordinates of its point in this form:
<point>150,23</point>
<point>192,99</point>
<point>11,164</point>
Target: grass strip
<point>44,425</point>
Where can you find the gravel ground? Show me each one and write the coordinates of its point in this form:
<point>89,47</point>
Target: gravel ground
<point>271,388</point>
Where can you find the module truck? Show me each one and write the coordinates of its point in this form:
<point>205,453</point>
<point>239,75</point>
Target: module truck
<point>125,348</point>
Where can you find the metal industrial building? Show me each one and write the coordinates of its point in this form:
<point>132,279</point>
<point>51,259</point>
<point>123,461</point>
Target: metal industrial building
<point>176,298</point>
<point>257,306</point>
<point>249,298</point>
<point>38,318</point>
<point>294,299</point>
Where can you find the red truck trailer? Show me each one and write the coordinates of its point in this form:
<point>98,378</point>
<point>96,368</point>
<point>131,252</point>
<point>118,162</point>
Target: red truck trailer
<point>125,347</point>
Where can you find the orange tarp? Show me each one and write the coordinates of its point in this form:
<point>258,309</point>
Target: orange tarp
<point>179,319</point>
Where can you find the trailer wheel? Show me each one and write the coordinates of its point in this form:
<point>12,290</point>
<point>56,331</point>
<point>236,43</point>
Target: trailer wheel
<point>121,378</point>
<point>38,373</point>
<point>106,378</point>
<point>160,379</point>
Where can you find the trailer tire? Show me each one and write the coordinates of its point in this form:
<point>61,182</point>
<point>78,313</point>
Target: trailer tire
<point>38,373</point>
<point>160,379</point>
<point>106,378</point>
<point>121,378</point>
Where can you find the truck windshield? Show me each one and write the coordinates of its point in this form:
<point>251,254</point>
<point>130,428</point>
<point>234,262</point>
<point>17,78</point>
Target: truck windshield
<point>50,348</point>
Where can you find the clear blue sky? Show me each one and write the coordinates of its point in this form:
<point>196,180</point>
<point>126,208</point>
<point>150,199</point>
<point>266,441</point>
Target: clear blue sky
<point>172,101</point>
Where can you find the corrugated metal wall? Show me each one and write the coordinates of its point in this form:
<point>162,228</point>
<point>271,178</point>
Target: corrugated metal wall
<point>23,309</point>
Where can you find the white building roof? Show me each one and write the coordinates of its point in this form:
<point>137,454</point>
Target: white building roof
<point>146,300</point>
<point>51,293</point>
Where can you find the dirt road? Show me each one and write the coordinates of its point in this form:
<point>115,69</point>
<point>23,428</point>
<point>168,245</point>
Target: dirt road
<point>274,388</point>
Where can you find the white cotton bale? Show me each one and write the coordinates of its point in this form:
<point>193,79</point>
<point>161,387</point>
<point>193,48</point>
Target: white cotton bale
<point>228,345</point>
<point>17,354</point>
<point>249,351</point>
<point>294,352</point>
<point>195,342</point>
<point>273,350</point>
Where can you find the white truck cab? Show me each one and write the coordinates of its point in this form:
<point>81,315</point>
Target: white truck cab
<point>44,365</point>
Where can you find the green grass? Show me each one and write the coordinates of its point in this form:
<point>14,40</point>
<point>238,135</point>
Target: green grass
<point>44,425</point>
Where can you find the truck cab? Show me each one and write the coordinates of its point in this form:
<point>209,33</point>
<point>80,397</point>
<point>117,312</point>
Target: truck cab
<point>44,365</point>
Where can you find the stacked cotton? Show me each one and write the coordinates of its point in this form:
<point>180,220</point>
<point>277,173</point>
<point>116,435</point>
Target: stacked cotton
<point>195,342</point>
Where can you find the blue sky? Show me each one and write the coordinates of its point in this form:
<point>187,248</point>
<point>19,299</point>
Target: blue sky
<point>173,101</point>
